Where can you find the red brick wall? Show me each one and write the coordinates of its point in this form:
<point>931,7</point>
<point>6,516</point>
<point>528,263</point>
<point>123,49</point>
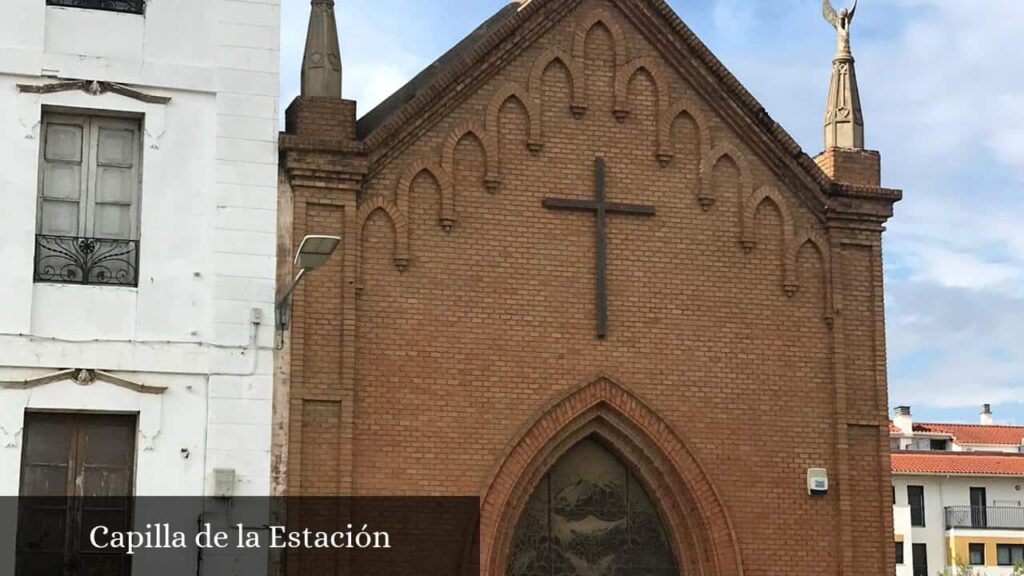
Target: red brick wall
<point>493,321</point>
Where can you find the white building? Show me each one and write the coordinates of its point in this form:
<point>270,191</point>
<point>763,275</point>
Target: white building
<point>139,186</point>
<point>958,495</point>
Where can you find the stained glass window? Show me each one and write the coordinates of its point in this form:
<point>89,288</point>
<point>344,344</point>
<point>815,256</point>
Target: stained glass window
<point>590,516</point>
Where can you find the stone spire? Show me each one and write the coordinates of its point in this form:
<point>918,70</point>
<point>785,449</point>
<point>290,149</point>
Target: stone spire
<point>321,63</point>
<point>844,121</point>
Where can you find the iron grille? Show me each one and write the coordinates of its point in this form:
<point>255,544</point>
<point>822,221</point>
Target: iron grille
<point>131,6</point>
<point>75,260</point>
<point>985,517</point>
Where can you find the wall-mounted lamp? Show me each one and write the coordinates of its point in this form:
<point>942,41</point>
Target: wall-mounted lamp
<point>313,252</point>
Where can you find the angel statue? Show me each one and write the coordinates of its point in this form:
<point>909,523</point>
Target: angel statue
<point>841,22</point>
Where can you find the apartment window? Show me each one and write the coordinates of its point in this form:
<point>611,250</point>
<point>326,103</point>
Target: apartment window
<point>899,552</point>
<point>130,6</point>
<point>939,445</point>
<point>976,553</point>
<point>88,214</point>
<point>915,496</point>
<point>1009,554</point>
<point>920,567</point>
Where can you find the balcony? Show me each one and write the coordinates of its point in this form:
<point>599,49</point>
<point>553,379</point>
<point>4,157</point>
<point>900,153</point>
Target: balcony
<point>92,261</point>
<point>130,6</point>
<point>985,517</point>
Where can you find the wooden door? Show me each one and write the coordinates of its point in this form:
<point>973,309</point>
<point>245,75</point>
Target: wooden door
<point>76,473</point>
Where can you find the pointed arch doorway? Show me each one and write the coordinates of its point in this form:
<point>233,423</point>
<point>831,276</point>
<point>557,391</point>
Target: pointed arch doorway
<point>590,516</point>
<point>547,509</point>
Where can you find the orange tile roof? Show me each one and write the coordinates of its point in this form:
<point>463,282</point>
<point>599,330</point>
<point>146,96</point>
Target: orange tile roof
<point>892,428</point>
<point>976,433</point>
<point>968,463</point>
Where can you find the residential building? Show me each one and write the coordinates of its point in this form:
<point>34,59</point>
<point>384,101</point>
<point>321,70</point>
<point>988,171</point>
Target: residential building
<point>138,239</point>
<point>959,495</point>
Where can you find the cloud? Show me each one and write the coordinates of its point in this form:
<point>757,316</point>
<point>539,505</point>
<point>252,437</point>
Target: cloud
<point>958,269</point>
<point>949,120</point>
<point>369,83</point>
<point>383,43</point>
<point>942,105</point>
<point>953,346</point>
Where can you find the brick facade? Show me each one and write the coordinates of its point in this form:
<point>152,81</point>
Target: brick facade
<point>449,347</point>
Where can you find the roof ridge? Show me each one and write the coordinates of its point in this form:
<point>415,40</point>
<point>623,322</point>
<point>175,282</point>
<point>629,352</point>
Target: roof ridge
<point>969,425</point>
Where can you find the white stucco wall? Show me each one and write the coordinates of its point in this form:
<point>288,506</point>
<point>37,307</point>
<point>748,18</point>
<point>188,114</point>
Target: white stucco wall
<point>207,235</point>
<point>939,493</point>
<point>901,529</point>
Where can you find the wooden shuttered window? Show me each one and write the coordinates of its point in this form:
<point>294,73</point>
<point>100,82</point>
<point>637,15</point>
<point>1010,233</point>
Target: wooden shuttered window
<point>90,180</point>
<point>90,177</point>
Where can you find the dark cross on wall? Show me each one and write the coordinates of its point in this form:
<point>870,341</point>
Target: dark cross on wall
<point>601,210</point>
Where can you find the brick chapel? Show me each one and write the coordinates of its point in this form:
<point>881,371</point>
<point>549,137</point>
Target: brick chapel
<point>584,276</point>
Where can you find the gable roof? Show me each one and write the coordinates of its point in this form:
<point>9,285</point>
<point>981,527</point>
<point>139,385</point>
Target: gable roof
<point>975,463</point>
<point>445,76</point>
<point>969,434</point>
<point>976,433</point>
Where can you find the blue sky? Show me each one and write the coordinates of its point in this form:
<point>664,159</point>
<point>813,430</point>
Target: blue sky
<point>943,94</point>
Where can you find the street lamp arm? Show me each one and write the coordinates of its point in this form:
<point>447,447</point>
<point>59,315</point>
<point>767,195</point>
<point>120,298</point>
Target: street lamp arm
<point>283,309</point>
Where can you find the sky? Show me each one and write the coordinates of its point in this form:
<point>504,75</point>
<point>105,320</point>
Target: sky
<point>942,89</point>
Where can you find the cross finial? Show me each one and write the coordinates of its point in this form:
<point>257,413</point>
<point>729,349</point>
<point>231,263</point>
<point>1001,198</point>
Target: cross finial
<point>321,63</point>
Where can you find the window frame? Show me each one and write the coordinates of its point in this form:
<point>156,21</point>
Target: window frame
<point>91,122</point>
<point>920,565</point>
<point>88,253</point>
<point>973,548</point>
<point>900,553</point>
<point>911,501</point>
<point>1009,551</point>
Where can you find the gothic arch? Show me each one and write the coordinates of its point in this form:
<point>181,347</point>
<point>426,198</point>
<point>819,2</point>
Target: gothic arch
<point>399,225</point>
<point>754,201</point>
<point>444,183</point>
<point>534,139</point>
<point>821,246</point>
<point>697,522</point>
<point>706,195</point>
<point>668,120</point>
<point>488,141</point>
<point>577,101</point>
<point>587,23</point>
<point>624,76</point>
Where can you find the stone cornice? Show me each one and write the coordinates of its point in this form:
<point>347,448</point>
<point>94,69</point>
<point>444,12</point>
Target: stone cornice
<point>292,142</point>
<point>93,88</point>
<point>83,377</point>
<point>843,190</point>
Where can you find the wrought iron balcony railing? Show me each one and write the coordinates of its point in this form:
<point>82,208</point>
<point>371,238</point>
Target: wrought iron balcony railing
<point>74,260</point>
<point>132,6</point>
<point>985,517</point>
